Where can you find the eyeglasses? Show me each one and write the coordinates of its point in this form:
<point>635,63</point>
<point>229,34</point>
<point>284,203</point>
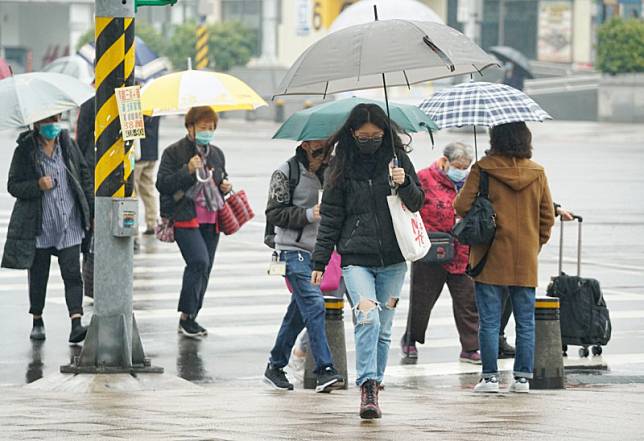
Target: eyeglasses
<point>319,152</point>
<point>366,139</point>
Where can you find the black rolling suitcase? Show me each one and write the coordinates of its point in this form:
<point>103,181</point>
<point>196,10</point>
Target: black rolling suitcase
<point>584,316</point>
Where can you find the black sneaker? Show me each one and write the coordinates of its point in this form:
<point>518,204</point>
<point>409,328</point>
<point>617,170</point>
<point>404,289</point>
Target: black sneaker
<point>78,334</point>
<point>328,380</point>
<point>276,377</point>
<point>189,328</point>
<point>37,332</point>
<point>202,331</point>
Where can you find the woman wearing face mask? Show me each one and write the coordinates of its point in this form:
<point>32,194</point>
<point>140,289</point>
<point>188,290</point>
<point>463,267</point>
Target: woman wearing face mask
<point>356,219</point>
<point>441,183</point>
<point>52,214</point>
<point>192,181</point>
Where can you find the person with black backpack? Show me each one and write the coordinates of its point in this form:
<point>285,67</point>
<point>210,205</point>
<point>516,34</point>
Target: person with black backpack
<point>509,193</point>
<point>292,220</point>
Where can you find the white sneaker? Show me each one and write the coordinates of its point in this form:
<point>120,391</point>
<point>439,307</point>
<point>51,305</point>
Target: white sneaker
<point>487,385</point>
<point>520,385</point>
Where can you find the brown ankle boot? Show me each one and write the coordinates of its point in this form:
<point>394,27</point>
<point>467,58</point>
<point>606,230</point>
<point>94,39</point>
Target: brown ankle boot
<point>369,408</point>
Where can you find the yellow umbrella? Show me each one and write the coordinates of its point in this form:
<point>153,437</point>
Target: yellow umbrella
<point>176,93</point>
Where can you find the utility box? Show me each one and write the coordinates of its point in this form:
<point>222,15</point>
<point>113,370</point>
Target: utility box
<point>125,217</point>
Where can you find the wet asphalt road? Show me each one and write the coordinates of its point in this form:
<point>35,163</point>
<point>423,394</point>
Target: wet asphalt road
<point>593,169</point>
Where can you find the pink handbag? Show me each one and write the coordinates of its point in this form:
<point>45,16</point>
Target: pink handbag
<point>332,275</point>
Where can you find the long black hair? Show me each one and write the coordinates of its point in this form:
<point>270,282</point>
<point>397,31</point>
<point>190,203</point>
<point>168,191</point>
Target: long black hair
<point>344,142</point>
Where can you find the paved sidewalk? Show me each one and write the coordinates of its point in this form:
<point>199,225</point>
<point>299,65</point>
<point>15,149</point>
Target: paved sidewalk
<point>250,411</point>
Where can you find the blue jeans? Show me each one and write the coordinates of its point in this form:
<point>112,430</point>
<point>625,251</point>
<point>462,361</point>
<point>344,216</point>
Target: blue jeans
<point>305,310</point>
<point>489,301</point>
<point>381,286</point>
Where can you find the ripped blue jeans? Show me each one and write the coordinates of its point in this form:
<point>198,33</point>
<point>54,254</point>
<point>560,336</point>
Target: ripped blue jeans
<point>374,293</point>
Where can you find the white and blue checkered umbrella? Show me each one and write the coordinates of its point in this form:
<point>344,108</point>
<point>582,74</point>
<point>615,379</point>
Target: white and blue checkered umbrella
<point>481,104</point>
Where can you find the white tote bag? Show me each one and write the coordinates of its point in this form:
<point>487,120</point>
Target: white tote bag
<point>412,237</point>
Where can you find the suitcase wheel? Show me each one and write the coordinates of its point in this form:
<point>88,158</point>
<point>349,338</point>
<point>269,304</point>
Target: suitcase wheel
<point>597,350</point>
<point>584,352</point>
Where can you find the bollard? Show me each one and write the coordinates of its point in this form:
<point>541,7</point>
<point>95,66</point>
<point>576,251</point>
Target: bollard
<point>335,335</point>
<point>279,110</point>
<point>548,361</point>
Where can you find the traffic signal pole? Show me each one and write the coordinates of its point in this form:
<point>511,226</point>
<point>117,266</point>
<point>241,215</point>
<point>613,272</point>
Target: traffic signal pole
<point>113,343</point>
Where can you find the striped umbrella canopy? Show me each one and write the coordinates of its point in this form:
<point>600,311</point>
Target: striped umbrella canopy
<point>481,104</point>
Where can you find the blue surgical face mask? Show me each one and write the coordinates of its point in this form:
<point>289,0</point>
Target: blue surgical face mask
<point>456,174</point>
<point>50,130</point>
<point>204,137</point>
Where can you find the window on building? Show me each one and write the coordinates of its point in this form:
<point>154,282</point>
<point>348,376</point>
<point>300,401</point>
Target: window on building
<point>247,12</point>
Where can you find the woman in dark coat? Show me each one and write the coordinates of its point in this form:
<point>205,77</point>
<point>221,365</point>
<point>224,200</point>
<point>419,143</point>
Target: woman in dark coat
<point>192,181</point>
<point>52,214</point>
<point>356,219</point>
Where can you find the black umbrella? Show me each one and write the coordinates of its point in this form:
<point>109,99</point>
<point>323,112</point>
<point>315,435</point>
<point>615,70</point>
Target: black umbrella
<point>507,53</point>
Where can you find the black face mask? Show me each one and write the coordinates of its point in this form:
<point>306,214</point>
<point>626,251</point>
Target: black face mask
<point>369,146</point>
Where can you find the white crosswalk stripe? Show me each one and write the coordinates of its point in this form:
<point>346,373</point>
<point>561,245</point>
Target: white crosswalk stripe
<point>244,302</point>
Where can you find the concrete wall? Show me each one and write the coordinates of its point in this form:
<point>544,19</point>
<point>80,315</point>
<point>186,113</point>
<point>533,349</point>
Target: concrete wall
<point>621,98</point>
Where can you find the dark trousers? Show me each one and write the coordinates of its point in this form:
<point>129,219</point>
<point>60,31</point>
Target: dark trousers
<point>69,262</point>
<point>507,311</point>
<point>197,246</point>
<point>427,282</point>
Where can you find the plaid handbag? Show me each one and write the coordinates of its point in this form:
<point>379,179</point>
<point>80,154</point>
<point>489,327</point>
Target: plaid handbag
<point>228,223</point>
<point>164,230</point>
<point>238,202</point>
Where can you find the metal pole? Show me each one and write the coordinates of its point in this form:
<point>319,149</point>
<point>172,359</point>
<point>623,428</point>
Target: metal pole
<point>113,344</point>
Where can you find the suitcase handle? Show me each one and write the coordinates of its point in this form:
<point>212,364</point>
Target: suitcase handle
<point>579,220</point>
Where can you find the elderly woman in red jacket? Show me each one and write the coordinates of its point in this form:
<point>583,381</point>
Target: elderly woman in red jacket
<point>441,183</point>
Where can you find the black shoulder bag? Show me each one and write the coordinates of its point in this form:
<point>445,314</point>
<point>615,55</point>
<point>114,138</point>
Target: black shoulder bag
<point>478,227</point>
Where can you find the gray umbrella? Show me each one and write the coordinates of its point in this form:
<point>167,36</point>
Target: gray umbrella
<point>406,52</point>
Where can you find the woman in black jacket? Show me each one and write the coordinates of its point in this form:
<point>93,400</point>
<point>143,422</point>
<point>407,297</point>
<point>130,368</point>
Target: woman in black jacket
<point>192,181</point>
<point>356,220</point>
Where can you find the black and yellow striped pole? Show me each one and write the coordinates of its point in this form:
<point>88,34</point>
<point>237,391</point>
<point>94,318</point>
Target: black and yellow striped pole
<point>201,45</point>
<point>113,344</point>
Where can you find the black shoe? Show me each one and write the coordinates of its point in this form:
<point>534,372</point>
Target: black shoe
<point>148,232</point>
<point>78,334</point>
<point>37,332</point>
<point>328,380</point>
<point>276,377</point>
<point>506,350</point>
<point>202,331</point>
<point>189,328</point>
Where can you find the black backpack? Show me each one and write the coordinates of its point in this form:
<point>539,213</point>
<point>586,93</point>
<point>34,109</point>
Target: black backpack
<point>293,181</point>
<point>478,227</point>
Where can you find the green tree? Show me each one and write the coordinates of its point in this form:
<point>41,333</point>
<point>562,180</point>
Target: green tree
<point>229,44</point>
<point>182,45</point>
<point>620,46</point>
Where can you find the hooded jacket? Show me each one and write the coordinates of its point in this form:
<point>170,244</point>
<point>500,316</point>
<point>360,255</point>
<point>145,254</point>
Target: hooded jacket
<point>524,218</point>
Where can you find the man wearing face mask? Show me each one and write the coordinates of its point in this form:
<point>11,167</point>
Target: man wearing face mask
<point>52,214</point>
<point>294,210</point>
<point>441,182</point>
<point>192,181</point>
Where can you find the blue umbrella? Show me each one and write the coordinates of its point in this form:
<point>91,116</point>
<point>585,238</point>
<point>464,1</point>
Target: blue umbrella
<point>148,64</point>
